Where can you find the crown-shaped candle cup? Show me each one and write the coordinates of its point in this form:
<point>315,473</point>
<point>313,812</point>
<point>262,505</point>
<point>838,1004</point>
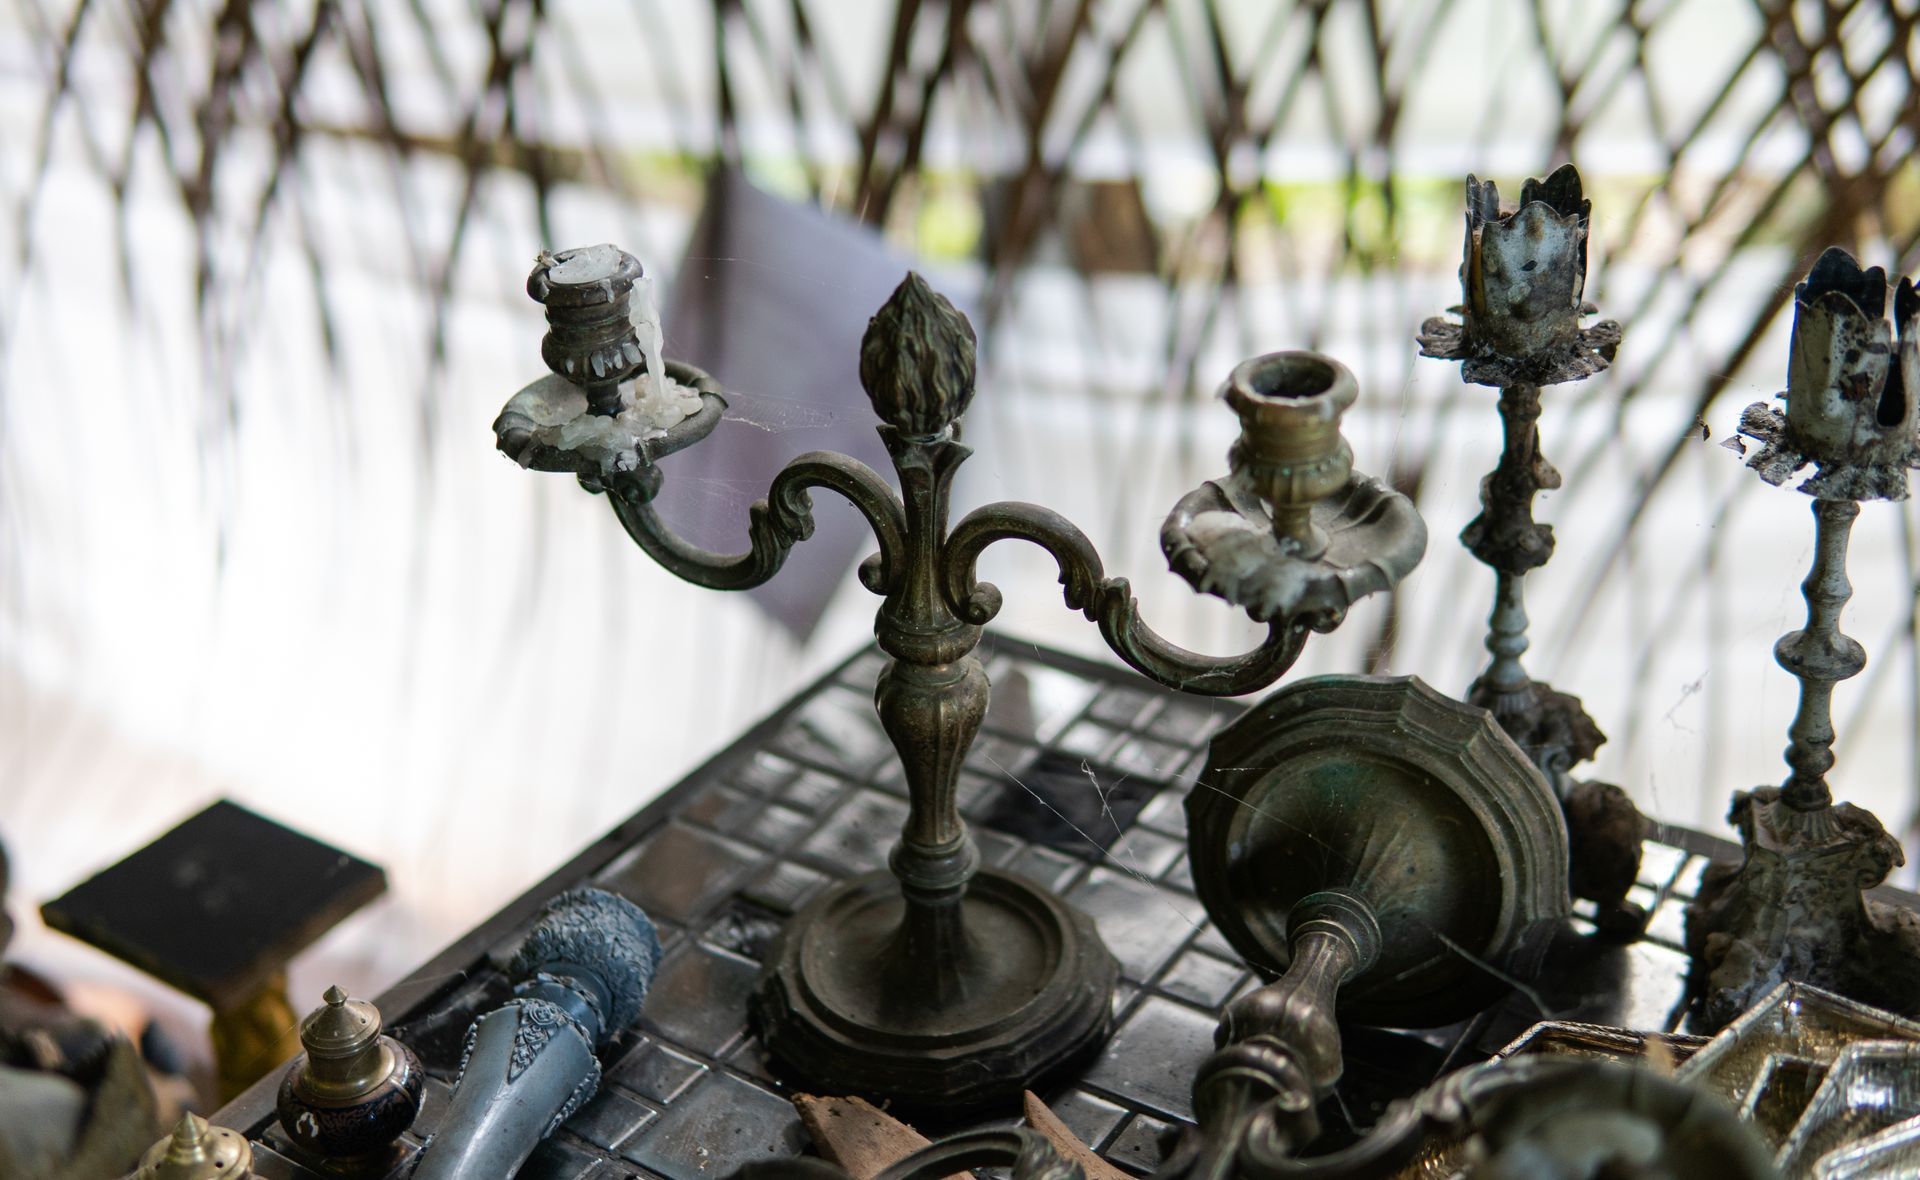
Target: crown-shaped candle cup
<point>1851,379</point>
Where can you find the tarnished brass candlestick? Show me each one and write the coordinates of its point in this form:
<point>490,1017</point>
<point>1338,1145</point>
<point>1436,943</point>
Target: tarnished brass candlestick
<point>1370,839</point>
<point>938,982</point>
<point>1523,277</point>
<point>1793,908</point>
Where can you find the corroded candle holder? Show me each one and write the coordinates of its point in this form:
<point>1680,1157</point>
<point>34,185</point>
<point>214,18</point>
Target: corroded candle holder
<point>1292,531</point>
<point>1523,278</point>
<point>1290,447</point>
<point>1793,908</point>
<point>1369,839</point>
<point>938,983</point>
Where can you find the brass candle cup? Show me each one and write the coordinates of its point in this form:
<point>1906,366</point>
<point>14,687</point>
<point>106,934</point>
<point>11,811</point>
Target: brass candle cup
<point>1290,405</point>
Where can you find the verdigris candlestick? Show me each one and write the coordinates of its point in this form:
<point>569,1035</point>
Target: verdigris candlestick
<point>939,983</point>
<point>1370,839</point>
<point>1523,278</point>
<point>1793,909</point>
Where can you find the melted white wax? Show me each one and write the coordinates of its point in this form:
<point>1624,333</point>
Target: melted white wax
<point>645,315</point>
<point>656,401</point>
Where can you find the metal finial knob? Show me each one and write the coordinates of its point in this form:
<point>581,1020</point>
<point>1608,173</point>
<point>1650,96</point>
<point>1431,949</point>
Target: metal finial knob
<point>588,294</point>
<point>197,1151</point>
<point>354,1091</point>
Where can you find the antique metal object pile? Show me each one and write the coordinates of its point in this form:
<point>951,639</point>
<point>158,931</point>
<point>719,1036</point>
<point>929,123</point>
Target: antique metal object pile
<point>1375,850</point>
<point>939,982</point>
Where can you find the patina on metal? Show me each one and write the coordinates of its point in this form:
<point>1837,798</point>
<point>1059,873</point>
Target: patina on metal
<point>1374,840</point>
<point>1292,531</point>
<point>349,1097</point>
<point>936,983</point>
<point>1519,1118</point>
<point>581,976</point>
<point>1794,909</point>
<point>1523,276</point>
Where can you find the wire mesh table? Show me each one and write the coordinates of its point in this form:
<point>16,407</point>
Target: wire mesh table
<point>1078,782</point>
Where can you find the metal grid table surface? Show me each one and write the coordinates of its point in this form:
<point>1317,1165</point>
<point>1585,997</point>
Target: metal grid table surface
<point>1077,781</point>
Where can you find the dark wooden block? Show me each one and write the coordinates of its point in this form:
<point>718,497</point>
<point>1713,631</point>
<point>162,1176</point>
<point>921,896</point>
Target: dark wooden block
<point>218,905</point>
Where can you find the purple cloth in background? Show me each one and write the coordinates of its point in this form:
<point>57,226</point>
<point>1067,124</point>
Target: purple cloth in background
<point>772,299</point>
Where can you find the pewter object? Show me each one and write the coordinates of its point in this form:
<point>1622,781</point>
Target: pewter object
<point>939,983</point>
<point>581,976</point>
<point>1369,837</point>
<point>1022,1153</point>
<point>1893,1152</point>
<point>1601,1042</point>
<point>1523,277</point>
<point>1794,909</point>
<point>1518,1118</point>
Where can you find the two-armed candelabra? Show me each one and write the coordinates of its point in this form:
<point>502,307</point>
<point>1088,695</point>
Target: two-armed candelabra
<point>940,982</point>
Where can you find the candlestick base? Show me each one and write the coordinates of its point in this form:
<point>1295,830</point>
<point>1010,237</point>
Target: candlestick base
<point>1794,909</point>
<point>1031,992</point>
<point>1604,828</point>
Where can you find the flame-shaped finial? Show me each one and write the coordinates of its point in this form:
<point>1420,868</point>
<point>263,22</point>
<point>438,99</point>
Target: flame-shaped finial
<point>916,360</point>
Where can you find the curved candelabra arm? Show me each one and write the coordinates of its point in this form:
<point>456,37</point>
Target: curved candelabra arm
<point>775,524</point>
<point>1106,601</point>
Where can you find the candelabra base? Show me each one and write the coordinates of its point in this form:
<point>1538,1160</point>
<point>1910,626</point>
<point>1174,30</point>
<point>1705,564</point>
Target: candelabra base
<point>1036,996</point>
<point>1793,910</point>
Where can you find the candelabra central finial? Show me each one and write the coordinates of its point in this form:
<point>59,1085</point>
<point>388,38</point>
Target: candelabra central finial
<point>937,982</point>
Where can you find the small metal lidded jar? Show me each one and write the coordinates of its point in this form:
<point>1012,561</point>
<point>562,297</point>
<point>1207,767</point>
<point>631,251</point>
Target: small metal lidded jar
<point>351,1095</point>
<point>197,1150</point>
<point>1290,446</point>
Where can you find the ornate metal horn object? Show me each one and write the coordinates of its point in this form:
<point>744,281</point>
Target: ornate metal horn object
<point>582,975</point>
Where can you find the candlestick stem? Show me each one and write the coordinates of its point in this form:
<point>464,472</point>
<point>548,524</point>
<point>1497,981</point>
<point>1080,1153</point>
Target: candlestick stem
<point>1820,657</point>
<point>1507,538</point>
